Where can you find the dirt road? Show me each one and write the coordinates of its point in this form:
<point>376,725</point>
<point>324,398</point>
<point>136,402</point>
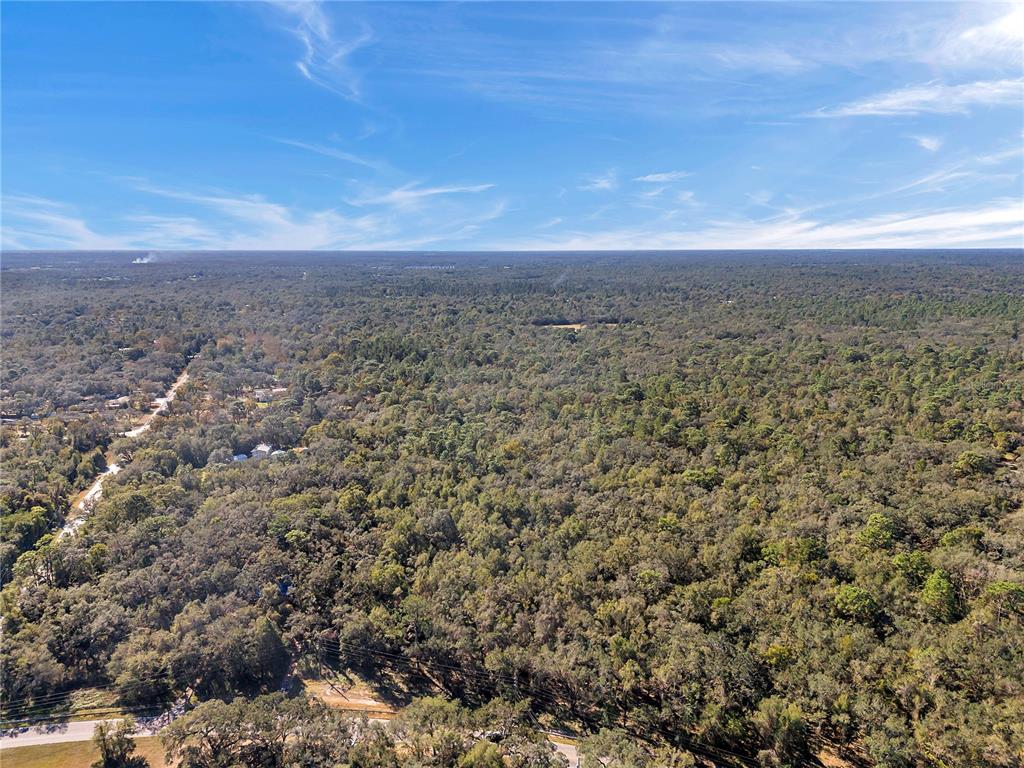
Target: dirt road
<point>80,509</point>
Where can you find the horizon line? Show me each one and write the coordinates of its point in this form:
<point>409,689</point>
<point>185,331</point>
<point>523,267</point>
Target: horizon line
<point>470,251</point>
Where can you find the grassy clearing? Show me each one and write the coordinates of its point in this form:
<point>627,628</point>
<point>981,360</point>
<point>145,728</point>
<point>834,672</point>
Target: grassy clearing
<point>75,754</point>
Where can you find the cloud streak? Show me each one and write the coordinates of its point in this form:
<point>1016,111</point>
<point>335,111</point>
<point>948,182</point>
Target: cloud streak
<point>325,59</point>
<point>930,143</point>
<point>412,195</point>
<point>336,154</point>
<point>997,41</point>
<point>998,223</point>
<point>406,217</point>
<point>29,221</point>
<point>934,98</point>
<point>603,182</point>
<point>662,178</point>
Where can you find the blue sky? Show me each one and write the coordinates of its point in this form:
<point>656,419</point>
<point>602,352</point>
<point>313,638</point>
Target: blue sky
<point>512,126</point>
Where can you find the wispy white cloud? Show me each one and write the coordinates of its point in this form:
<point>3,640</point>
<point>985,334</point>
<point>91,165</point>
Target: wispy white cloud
<point>251,222</point>
<point>455,230</point>
<point>171,231</point>
<point>335,153</point>
<point>935,98</point>
<point>239,223</point>
<point>325,59</point>
<point>34,222</point>
<point>935,181</point>
<point>770,59</point>
<point>602,182</point>
<point>653,192</point>
<point>208,220</point>
<point>954,38</point>
<point>977,172</point>
<point>997,223</point>
<point>996,40</point>
<point>31,222</point>
<point>663,177</point>
<point>1001,156</point>
<point>659,60</point>
<point>684,56</point>
<point>411,195</point>
<point>931,143</point>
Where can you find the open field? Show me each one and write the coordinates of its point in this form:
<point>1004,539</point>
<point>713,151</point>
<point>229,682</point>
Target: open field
<point>75,754</point>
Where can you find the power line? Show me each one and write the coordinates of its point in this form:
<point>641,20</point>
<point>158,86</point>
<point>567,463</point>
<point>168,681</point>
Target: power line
<point>30,705</point>
<point>97,687</point>
<point>95,712</point>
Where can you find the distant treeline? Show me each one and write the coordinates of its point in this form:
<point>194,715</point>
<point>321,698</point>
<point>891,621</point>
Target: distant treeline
<point>594,320</point>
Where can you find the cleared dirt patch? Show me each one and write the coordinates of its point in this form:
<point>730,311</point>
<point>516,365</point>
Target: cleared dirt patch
<point>350,694</point>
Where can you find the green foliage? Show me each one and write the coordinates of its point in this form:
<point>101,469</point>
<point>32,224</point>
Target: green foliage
<point>971,463</point>
<point>116,745</point>
<point>798,550</point>
<point>913,565</point>
<point>1007,596</point>
<point>265,732</point>
<point>707,478</point>
<point>614,749</point>
<point>965,535</point>
<point>879,532</point>
<point>375,748</point>
<point>783,732</point>
<point>856,603</point>
<point>707,522</point>
<point>435,731</point>
<point>483,754</point>
<point>938,598</point>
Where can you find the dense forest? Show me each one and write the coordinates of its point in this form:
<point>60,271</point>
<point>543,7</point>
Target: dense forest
<point>690,505</point>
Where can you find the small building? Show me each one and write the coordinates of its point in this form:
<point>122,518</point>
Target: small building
<point>118,402</point>
<point>239,457</point>
<point>261,451</point>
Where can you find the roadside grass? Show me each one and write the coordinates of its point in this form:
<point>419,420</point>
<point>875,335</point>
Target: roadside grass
<point>76,754</point>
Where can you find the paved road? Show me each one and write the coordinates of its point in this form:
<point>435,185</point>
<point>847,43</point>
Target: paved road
<point>79,730</point>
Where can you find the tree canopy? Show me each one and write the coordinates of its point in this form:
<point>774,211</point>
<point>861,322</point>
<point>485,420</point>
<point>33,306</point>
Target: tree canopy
<point>769,505</point>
